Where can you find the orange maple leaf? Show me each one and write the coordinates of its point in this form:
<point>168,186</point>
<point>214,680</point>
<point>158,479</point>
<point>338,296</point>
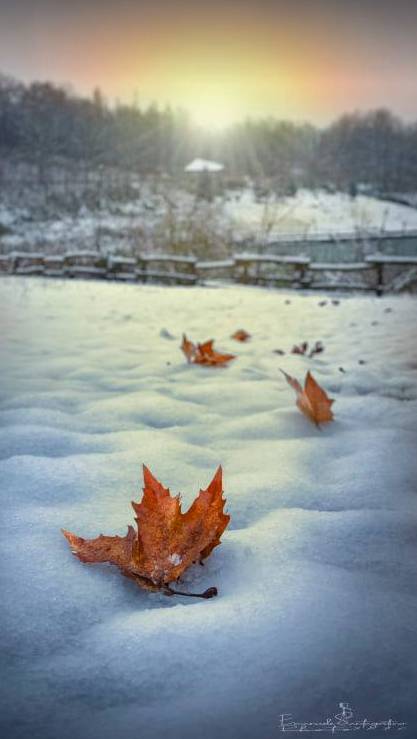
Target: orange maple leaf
<point>204,353</point>
<point>167,541</point>
<point>312,400</point>
<point>240,335</point>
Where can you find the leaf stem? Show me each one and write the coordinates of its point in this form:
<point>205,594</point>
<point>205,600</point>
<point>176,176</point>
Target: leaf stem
<point>209,593</point>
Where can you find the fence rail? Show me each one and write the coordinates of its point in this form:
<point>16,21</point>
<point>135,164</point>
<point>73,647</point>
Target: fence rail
<point>380,273</point>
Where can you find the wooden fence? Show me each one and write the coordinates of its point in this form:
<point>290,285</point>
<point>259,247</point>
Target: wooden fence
<point>378,273</point>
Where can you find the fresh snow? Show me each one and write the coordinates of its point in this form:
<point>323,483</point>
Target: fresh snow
<point>147,221</point>
<point>317,570</point>
<point>316,213</point>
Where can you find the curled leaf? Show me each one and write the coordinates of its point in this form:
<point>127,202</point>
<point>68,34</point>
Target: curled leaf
<point>312,400</point>
<point>188,348</point>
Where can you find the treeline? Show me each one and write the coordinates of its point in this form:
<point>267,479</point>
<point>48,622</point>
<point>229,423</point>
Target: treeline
<point>41,121</point>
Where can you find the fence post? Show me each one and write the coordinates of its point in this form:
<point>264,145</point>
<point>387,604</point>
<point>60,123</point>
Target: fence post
<point>380,278</point>
<point>13,263</point>
<point>244,265</point>
<point>301,270</point>
<point>194,271</point>
<point>143,267</point>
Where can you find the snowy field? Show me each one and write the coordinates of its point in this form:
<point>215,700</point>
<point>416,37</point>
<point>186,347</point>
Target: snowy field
<point>160,219</point>
<point>316,213</point>
<point>317,571</point>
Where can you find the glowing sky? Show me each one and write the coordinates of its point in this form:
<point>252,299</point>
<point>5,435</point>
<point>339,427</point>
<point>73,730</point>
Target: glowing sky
<point>300,59</point>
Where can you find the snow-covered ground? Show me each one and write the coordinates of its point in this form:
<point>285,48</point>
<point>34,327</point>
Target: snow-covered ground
<point>317,213</point>
<point>162,219</point>
<point>317,571</point>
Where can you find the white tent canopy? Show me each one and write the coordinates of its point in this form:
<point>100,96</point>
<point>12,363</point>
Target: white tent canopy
<point>203,165</point>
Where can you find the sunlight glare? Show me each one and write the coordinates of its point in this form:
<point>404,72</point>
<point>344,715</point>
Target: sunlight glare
<point>213,113</point>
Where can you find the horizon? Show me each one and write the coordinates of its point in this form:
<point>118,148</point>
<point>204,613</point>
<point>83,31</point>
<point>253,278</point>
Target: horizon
<point>72,92</point>
<point>222,63</point>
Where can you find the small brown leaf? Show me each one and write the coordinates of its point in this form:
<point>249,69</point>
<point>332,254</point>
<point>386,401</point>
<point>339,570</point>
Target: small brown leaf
<point>300,348</point>
<point>241,335</point>
<point>316,349</point>
<point>312,400</point>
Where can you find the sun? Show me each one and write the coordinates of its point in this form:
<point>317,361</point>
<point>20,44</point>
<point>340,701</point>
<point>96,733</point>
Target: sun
<point>214,112</point>
<point>216,89</point>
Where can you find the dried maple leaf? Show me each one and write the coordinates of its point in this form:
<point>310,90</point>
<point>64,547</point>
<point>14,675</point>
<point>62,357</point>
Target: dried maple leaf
<point>300,348</point>
<point>316,349</point>
<point>241,335</point>
<point>167,541</point>
<point>312,400</point>
<point>204,353</point>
